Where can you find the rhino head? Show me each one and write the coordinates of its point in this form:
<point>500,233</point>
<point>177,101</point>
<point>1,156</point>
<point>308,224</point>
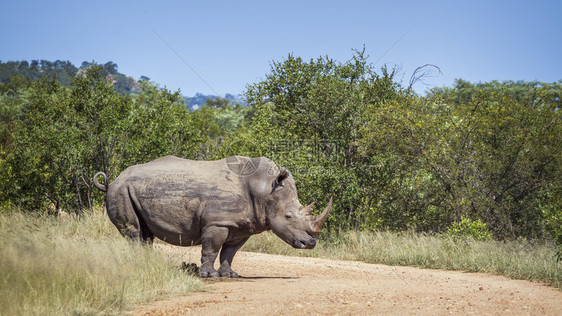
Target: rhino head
<point>286,216</point>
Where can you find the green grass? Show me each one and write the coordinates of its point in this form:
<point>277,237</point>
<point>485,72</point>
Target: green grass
<point>79,265</point>
<point>513,259</point>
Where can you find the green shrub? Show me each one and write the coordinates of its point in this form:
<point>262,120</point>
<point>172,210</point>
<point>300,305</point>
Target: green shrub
<point>466,227</point>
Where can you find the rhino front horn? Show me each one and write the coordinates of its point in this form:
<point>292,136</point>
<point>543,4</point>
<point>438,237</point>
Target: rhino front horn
<point>318,220</point>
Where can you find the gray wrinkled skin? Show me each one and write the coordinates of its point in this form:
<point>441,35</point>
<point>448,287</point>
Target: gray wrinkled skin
<point>186,202</point>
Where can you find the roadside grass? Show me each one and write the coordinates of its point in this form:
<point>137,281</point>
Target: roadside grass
<point>79,265</point>
<point>521,260</point>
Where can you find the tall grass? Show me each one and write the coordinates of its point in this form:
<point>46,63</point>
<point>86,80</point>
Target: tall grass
<point>79,265</point>
<point>514,259</point>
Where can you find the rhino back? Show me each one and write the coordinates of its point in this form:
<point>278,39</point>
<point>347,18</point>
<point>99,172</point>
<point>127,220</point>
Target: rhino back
<point>177,197</point>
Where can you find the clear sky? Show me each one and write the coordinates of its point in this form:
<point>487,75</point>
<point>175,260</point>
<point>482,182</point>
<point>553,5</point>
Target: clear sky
<point>231,43</point>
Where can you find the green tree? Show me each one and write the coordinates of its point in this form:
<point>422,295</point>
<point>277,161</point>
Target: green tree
<point>159,125</point>
<point>215,121</point>
<point>307,117</point>
<point>485,152</point>
<point>217,102</point>
<point>66,134</point>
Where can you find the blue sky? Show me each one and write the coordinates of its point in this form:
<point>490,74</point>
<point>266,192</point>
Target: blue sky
<point>231,43</point>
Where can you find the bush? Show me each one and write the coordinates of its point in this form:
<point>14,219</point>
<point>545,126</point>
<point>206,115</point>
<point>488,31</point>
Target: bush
<point>470,228</point>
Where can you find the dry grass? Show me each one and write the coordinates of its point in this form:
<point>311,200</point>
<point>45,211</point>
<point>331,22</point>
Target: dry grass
<point>79,265</point>
<point>513,259</point>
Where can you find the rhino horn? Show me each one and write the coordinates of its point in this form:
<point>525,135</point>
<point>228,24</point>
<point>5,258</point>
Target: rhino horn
<point>308,209</point>
<point>318,220</point>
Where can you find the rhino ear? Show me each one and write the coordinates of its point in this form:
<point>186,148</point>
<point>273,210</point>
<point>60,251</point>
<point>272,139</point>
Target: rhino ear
<point>283,174</point>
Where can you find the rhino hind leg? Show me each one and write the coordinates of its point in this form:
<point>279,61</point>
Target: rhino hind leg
<point>125,216</point>
<point>227,254</point>
<point>146,236</point>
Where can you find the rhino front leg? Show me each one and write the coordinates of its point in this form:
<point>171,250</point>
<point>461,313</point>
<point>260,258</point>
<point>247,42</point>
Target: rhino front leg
<point>211,241</point>
<point>227,254</point>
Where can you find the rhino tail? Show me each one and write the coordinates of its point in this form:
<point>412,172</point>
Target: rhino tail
<point>102,187</point>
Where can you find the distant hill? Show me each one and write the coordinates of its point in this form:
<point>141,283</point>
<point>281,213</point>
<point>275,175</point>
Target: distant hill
<point>200,99</point>
<point>121,83</point>
<point>65,70</point>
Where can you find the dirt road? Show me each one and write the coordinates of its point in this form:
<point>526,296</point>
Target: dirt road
<point>278,285</point>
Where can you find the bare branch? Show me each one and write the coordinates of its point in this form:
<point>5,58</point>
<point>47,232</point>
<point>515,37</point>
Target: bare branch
<point>423,72</point>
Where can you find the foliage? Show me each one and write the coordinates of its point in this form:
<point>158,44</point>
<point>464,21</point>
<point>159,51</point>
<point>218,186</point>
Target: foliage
<point>198,100</point>
<point>66,134</point>
<point>479,152</point>
<point>308,118</point>
<point>63,70</point>
<point>469,228</point>
<point>459,159</point>
<point>215,122</point>
<point>16,73</point>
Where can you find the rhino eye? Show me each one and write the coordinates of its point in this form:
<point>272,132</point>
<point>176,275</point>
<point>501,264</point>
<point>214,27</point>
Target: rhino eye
<point>288,216</point>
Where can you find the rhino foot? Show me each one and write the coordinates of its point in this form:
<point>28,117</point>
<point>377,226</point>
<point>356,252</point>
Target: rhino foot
<point>228,274</point>
<point>206,274</point>
<point>226,271</point>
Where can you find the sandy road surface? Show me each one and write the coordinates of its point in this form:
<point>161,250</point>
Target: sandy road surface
<point>278,285</point>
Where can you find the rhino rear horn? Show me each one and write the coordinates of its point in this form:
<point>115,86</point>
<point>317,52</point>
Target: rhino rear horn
<point>318,220</point>
<point>308,209</point>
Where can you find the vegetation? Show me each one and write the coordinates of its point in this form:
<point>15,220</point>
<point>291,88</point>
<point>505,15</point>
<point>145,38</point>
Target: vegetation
<point>393,160</point>
<point>24,71</point>
<point>481,160</point>
<point>14,74</point>
<point>516,259</point>
<point>198,100</point>
<point>62,135</point>
<point>79,265</point>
